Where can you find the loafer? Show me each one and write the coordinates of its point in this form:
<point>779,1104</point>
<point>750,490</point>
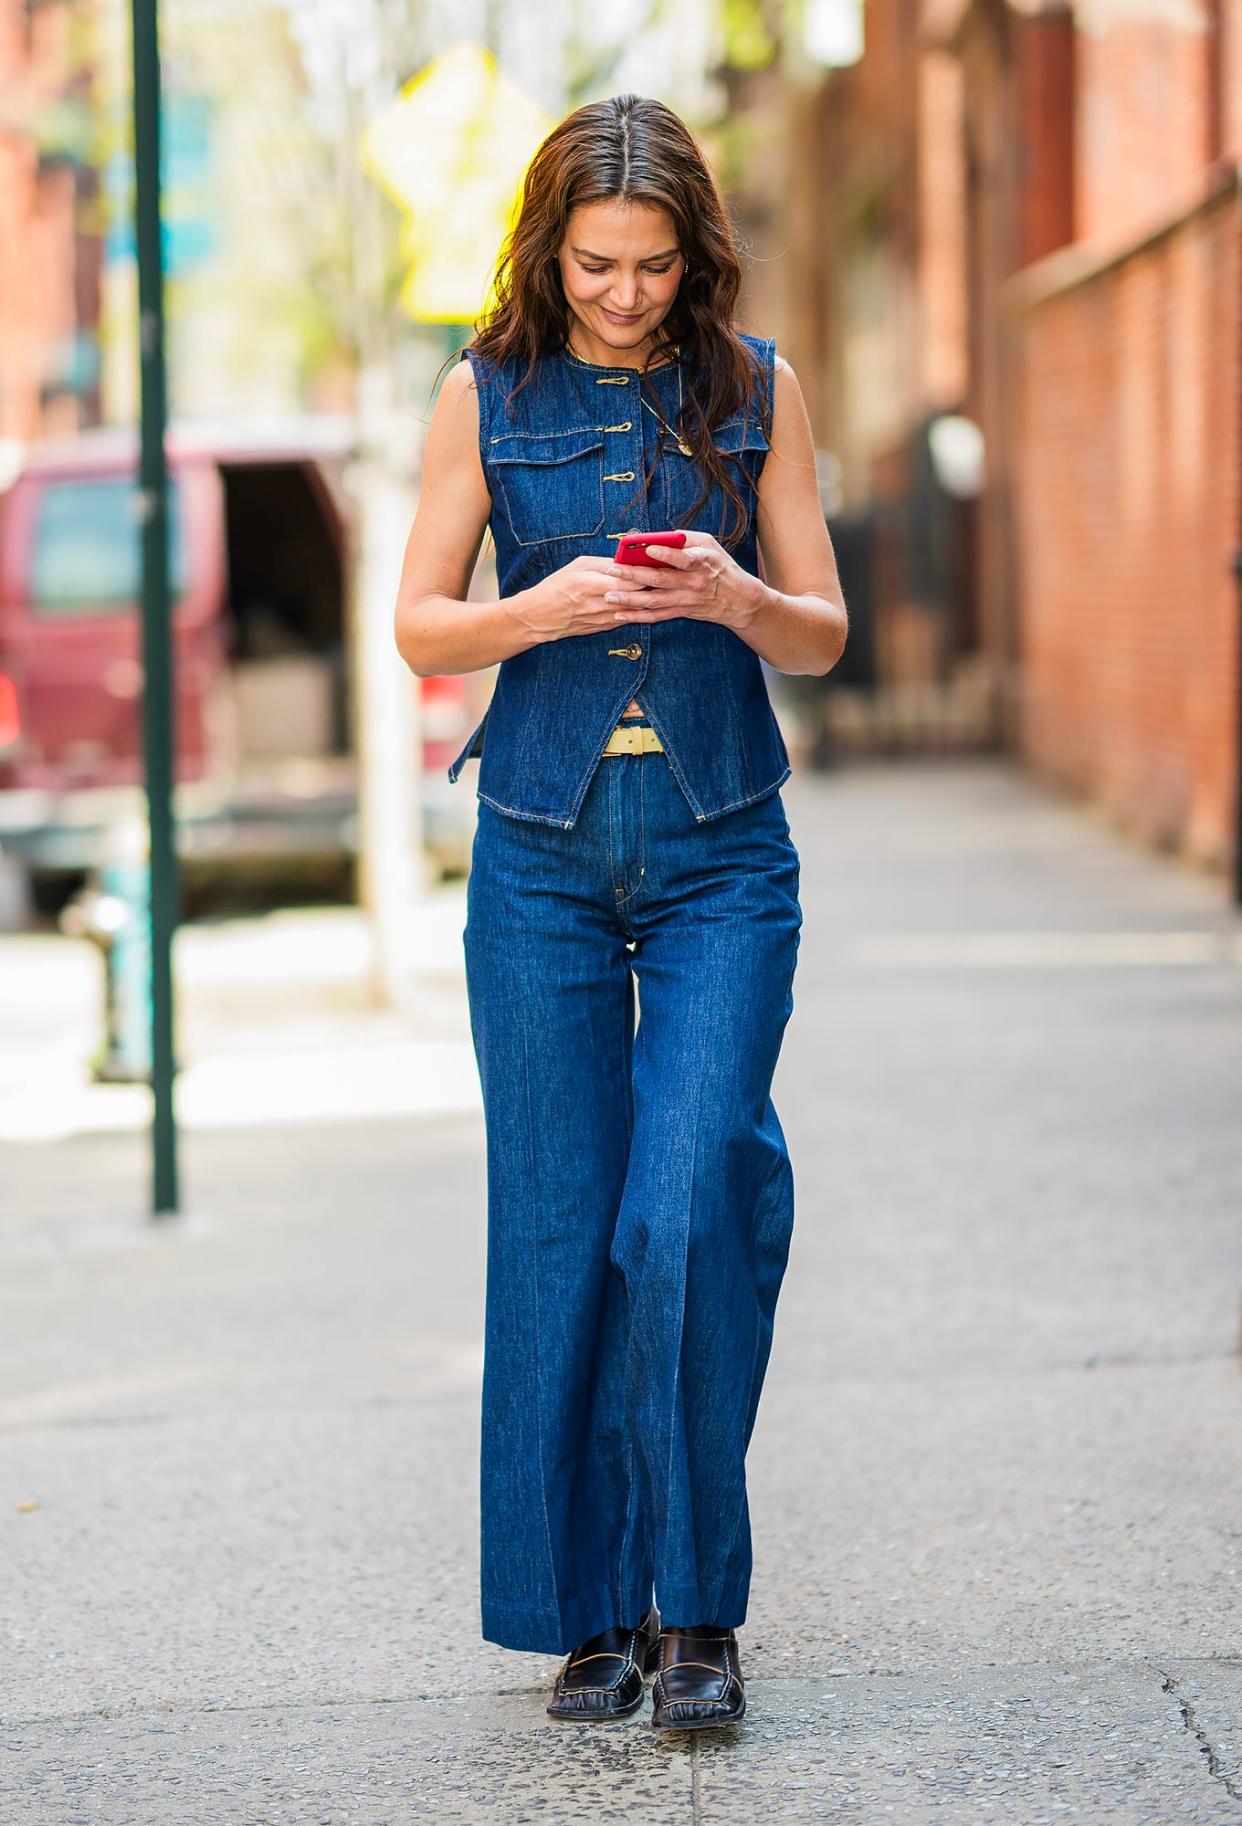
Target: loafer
<point>604,1678</point>
<point>698,1679</point>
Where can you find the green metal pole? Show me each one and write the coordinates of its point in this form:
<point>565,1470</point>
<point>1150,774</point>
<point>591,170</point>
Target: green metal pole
<point>158,728</point>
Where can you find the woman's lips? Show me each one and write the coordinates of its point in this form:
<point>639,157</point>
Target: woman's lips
<point>613,317</point>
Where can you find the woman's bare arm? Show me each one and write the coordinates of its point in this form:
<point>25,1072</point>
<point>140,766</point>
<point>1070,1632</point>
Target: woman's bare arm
<point>437,630</point>
<point>802,625</point>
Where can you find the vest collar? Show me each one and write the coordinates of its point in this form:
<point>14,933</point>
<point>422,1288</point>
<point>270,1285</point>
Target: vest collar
<point>599,367</point>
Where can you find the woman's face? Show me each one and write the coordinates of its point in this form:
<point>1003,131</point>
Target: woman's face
<point>620,266</point>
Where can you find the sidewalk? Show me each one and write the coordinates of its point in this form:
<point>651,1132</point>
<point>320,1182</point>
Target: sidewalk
<point>996,1480</point>
<point>276,1023</point>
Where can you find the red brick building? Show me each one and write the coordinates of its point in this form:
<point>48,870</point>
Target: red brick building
<point>1130,528</point>
<point>50,231</point>
<point>857,216</point>
<point>1126,440</point>
<point>1032,217</point>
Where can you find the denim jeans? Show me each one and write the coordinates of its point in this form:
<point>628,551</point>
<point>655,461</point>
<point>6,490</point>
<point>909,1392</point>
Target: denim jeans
<point>640,1197</point>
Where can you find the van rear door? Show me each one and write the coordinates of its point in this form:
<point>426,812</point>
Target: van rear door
<point>70,621</point>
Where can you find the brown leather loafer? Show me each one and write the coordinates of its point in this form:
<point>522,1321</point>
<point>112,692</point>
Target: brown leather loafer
<point>698,1679</point>
<point>603,1679</point>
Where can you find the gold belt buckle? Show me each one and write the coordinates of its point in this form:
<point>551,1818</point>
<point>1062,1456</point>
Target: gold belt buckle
<point>634,738</point>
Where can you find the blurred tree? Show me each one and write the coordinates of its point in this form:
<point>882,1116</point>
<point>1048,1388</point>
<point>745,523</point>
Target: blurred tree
<point>304,290</point>
<point>751,32</point>
<point>310,266</point>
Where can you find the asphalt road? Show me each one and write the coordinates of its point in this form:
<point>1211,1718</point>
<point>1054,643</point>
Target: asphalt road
<point>996,1483</point>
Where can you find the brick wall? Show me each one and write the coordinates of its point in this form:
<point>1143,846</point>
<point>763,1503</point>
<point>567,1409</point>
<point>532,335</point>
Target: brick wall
<point>1128,441</point>
<point>48,267</point>
<point>941,351</point>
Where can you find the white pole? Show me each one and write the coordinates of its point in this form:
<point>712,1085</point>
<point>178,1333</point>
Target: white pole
<point>393,871</point>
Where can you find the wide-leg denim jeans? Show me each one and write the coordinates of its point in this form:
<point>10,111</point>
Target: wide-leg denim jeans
<point>640,1197</point>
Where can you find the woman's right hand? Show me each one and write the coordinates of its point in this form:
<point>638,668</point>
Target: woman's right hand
<point>571,600</point>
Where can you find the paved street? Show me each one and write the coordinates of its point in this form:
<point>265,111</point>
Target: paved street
<point>996,1483</point>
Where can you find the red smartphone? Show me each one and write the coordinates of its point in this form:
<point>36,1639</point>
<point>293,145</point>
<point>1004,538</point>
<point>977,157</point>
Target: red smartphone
<point>633,548</point>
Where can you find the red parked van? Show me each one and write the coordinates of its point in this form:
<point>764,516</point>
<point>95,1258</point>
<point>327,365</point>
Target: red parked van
<point>260,561</point>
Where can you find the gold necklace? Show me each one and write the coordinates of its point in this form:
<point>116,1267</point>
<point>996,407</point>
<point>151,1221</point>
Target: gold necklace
<point>676,436</point>
<point>664,426</point>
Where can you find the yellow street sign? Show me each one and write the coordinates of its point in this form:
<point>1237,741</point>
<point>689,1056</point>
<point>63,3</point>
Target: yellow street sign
<point>451,151</point>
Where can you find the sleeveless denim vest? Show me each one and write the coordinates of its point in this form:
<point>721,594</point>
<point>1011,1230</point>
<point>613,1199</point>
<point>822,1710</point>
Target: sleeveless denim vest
<point>562,461</point>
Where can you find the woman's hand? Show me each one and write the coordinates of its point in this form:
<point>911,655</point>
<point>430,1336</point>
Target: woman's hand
<point>579,598</point>
<point>704,583</point>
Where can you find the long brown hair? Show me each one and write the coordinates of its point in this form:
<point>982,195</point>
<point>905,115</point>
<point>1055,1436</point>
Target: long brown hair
<point>632,149</point>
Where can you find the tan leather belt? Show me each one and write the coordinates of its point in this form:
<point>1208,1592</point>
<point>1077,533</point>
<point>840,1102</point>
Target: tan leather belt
<point>633,738</point>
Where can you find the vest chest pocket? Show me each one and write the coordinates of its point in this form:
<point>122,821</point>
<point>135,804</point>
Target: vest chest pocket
<point>550,485</point>
<point>745,445</point>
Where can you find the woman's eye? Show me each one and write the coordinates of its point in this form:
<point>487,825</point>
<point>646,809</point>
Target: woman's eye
<point>659,271</point>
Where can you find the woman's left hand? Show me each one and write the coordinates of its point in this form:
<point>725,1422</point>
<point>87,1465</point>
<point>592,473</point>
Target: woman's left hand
<point>703,582</point>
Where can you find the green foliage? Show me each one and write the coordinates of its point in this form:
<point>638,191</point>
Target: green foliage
<point>750,43</point>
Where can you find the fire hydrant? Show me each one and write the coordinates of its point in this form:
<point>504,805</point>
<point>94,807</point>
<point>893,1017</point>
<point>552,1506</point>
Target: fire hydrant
<point>113,912</point>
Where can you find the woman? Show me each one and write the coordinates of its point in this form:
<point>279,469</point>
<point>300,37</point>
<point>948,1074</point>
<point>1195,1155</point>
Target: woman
<point>632,852</point>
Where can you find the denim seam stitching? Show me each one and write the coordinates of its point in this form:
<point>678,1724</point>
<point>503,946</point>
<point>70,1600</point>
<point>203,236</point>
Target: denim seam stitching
<point>629,1518</point>
<point>573,431</point>
<point>589,532</point>
<point>750,1389</point>
<point>543,1484</point>
<point>541,1610</point>
<point>630,1505</point>
<point>516,812</point>
<point>612,840</point>
<point>674,763</point>
<point>455,767</point>
<point>625,899</point>
<point>641,883</point>
<point>485,411</point>
<point>769,1176</point>
<point>736,803</point>
<point>701,817</point>
<point>681,1322</point>
<point>589,774</point>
